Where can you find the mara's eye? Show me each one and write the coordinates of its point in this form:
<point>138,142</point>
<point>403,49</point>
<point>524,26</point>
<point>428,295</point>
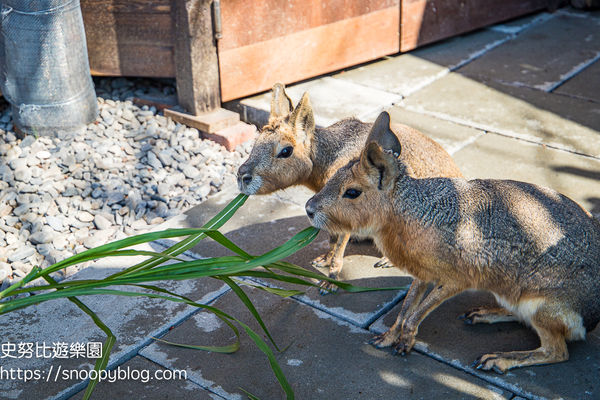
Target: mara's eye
<point>286,152</point>
<point>352,193</point>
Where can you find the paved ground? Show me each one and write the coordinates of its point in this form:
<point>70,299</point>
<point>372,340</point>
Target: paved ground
<point>519,100</point>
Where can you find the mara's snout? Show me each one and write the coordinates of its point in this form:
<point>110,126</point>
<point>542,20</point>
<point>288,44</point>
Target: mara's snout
<point>313,215</point>
<point>247,183</point>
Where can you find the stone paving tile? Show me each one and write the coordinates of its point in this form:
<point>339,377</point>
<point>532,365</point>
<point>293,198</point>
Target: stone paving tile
<point>147,383</point>
<point>542,56</point>
<point>455,52</point>
<point>406,73</point>
<point>536,116</point>
<point>269,217</point>
<point>444,337</point>
<point>579,13</point>
<point>331,99</point>
<point>585,85</point>
<point>324,358</point>
<point>519,24</point>
<point>498,157</point>
<point>133,320</point>
<point>402,74</point>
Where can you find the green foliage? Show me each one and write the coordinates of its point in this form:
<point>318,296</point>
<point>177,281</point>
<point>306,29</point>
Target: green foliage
<point>164,266</point>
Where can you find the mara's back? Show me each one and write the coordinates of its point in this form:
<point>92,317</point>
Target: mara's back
<point>512,236</point>
<point>344,140</point>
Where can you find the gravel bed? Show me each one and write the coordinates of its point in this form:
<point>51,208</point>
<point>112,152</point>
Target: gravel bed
<point>131,169</point>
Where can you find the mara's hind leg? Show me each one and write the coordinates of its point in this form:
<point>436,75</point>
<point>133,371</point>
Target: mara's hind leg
<point>487,315</point>
<point>548,324</point>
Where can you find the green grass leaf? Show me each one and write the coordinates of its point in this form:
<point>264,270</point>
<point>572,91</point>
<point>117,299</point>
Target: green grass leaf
<point>167,266</point>
<point>232,348</point>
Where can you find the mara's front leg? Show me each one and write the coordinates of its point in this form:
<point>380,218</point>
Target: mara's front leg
<point>334,260</point>
<point>405,337</point>
<point>411,301</point>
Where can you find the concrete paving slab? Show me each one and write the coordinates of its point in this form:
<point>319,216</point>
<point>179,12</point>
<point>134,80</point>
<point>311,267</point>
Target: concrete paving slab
<point>140,378</point>
<point>585,85</point>
<point>406,73</point>
<point>444,337</point>
<point>517,25</point>
<point>541,57</point>
<point>267,221</point>
<point>402,74</point>
<point>557,121</point>
<point>360,309</point>
<point>332,100</point>
<point>133,320</point>
<point>457,51</point>
<point>498,157</point>
<point>325,358</point>
<point>579,13</point>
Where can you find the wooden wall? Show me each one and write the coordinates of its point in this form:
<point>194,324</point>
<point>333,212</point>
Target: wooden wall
<point>427,21</point>
<point>271,41</point>
<point>303,38</point>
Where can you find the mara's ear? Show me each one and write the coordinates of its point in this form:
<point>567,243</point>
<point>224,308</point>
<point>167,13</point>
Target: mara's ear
<point>380,165</point>
<point>303,120</point>
<point>281,104</point>
<point>382,134</point>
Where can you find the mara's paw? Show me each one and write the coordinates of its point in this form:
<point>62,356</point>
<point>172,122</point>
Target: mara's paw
<point>483,315</point>
<point>471,317</point>
<point>383,340</point>
<point>492,362</point>
<point>404,344</point>
<point>383,263</point>
<point>322,261</point>
<point>326,287</point>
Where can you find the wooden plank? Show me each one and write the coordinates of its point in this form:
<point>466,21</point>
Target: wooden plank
<point>254,68</point>
<point>196,63</point>
<point>126,6</point>
<point>247,22</point>
<point>131,60</point>
<point>143,28</point>
<point>426,21</point>
<point>129,38</point>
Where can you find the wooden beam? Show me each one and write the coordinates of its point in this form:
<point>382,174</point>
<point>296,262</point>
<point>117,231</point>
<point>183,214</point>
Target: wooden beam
<point>210,122</point>
<point>196,62</point>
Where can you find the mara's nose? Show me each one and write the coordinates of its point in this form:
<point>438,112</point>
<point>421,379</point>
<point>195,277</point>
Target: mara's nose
<point>310,208</point>
<point>244,174</point>
<point>246,179</point>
